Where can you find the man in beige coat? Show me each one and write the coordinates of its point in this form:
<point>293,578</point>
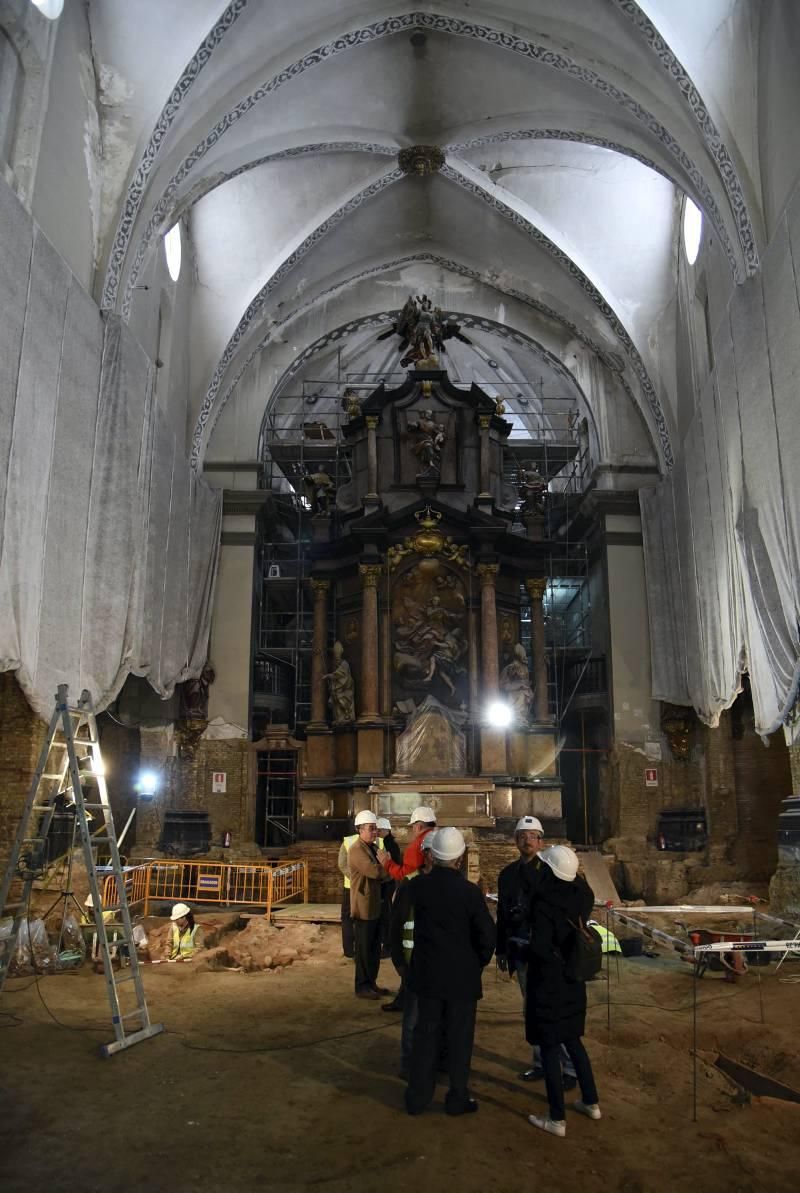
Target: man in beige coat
<point>366,878</point>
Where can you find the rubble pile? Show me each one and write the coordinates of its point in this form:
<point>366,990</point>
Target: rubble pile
<point>261,946</point>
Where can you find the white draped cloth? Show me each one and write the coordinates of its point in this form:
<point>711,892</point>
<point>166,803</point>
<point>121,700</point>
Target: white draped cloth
<point>109,542</point>
<point>722,534</point>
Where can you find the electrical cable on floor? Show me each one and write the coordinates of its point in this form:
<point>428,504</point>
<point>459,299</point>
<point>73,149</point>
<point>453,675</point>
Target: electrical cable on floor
<point>364,1031</point>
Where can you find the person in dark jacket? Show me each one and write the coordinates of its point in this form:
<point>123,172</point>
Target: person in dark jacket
<point>516,886</point>
<point>555,1009</point>
<point>402,946</point>
<point>454,939</point>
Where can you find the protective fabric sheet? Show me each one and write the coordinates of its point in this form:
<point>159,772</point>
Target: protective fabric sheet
<point>730,512</point>
<point>109,543</point>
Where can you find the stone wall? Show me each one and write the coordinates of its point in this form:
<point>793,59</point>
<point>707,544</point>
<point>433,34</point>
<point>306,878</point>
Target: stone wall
<point>732,775</point>
<point>185,774</point>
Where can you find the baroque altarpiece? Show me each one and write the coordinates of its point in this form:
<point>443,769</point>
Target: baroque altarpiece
<point>422,567</point>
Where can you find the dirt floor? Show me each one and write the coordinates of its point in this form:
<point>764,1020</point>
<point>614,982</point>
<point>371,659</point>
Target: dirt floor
<point>278,1079</point>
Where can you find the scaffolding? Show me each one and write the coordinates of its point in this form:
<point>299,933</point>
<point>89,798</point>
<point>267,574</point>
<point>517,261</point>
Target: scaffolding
<point>301,435</point>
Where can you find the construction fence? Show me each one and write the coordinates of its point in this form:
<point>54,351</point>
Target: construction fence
<point>232,884</point>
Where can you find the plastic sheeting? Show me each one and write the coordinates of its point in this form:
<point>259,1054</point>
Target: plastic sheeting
<point>729,515</point>
<point>109,543</point>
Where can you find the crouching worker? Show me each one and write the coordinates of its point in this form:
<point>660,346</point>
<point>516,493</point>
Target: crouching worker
<point>185,937</point>
<point>555,1007</point>
<point>453,940</point>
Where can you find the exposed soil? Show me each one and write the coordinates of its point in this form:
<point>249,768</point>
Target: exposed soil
<point>279,1079</point>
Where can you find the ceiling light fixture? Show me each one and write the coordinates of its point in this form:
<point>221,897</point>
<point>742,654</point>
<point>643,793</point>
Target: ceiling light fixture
<point>692,229</point>
<point>172,251</point>
<point>51,9</point>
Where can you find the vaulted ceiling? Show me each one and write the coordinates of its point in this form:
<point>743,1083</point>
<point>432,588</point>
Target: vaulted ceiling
<point>570,133</point>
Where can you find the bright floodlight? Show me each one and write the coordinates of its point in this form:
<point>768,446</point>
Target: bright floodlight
<point>499,714</point>
<point>148,783</point>
<point>692,229</point>
<point>50,8</point>
<point>172,250</point>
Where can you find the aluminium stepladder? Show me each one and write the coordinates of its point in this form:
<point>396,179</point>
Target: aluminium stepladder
<point>72,739</point>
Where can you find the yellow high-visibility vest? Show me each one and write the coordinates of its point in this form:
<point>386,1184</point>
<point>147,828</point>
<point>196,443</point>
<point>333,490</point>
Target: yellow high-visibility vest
<point>182,943</point>
<point>610,942</point>
<point>408,931</point>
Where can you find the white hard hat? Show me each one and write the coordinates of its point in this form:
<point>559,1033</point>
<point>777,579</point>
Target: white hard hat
<point>179,911</point>
<point>529,824</point>
<point>427,840</point>
<point>88,901</point>
<point>448,845</point>
<point>562,860</point>
<point>365,817</point>
<point>384,824</point>
<point>426,815</point>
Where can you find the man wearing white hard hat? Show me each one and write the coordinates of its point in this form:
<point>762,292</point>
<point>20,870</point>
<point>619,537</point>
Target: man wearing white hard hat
<point>453,940</point>
<point>516,885</point>
<point>555,1008</point>
<point>402,944</point>
<point>422,821</point>
<point>367,877</point>
<point>385,841</point>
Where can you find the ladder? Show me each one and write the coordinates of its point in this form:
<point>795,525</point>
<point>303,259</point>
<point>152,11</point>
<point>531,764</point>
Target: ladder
<point>61,773</point>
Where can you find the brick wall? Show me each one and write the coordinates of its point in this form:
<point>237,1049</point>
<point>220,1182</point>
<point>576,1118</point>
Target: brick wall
<point>324,879</point>
<point>21,738</point>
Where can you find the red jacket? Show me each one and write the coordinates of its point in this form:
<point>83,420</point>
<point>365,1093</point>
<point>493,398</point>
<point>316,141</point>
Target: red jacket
<point>412,858</point>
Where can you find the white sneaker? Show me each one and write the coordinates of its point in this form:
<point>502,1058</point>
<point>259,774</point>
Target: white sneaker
<point>554,1126</point>
<point>590,1109</point>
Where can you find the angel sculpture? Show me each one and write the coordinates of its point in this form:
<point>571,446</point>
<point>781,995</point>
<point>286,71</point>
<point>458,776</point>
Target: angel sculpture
<point>423,329</point>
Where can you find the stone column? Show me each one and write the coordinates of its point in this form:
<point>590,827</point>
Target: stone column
<point>541,701</point>
<point>487,573</point>
<point>320,589</point>
<point>370,575</point>
<point>372,457</point>
<point>484,422</point>
<point>369,727</point>
<point>493,740</point>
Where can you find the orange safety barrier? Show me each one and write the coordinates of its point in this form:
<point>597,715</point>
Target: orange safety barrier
<point>258,884</point>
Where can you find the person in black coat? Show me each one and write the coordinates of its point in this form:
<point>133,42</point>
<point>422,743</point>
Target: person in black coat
<point>454,938</point>
<point>555,1008</point>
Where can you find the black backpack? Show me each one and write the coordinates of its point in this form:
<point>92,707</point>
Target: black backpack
<point>583,957</point>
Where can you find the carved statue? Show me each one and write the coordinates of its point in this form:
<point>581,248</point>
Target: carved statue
<point>429,642</point>
<point>319,489</point>
<point>423,330</point>
<point>515,684</point>
<point>194,693</point>
<point>532,491</point>
<point>677,723</point>
<point>350,403</point>
<point>341,689</point>
<point>431,438</point>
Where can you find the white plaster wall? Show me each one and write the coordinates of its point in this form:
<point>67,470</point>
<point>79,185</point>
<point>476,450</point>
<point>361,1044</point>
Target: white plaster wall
<point>66,195</point>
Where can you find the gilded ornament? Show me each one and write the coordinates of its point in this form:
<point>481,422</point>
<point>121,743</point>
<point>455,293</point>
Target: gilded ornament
<point>427,542</point>
<point>420,160</point>
<point>370,574</point>
<point>536,589</point>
